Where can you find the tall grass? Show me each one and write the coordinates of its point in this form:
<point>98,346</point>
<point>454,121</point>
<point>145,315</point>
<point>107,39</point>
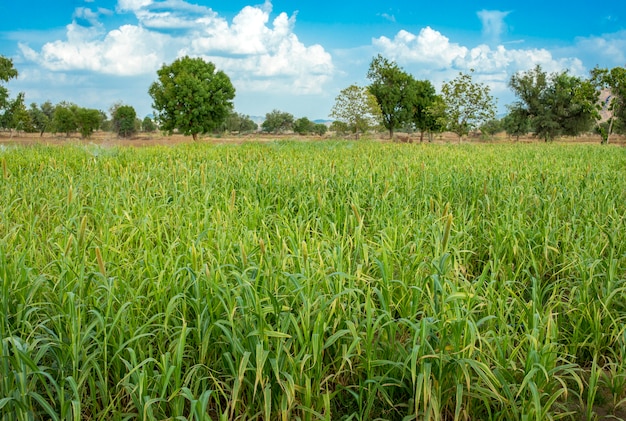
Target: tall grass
<point>313,281</point>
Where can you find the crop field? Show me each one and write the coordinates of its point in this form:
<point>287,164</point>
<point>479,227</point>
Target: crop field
<point>313,281</point>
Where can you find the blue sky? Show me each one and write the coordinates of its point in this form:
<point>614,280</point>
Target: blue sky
<point>296,57</point>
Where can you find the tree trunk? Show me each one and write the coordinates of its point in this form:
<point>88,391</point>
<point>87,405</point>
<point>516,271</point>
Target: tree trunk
<point>422,136</point>
<point>194,136</point>
<point>391,134</point>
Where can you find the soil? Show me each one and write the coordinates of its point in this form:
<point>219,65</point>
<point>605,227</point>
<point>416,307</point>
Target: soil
<point>154,139</point>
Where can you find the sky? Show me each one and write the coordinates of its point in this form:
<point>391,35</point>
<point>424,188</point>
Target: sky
<point>296,56</point>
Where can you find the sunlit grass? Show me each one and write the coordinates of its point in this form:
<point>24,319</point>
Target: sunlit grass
<point>312,281</point>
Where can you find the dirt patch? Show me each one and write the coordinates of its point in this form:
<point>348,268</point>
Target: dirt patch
<point>157,139</point>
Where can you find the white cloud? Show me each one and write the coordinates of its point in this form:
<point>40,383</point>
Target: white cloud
<point>252,51</point>
<point>433,54</point>
<point>428,47</point>
<point>608,48</point>
<point>493,24</point>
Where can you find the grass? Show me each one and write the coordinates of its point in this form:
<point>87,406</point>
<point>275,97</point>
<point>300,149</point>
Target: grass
<point>330,280</point>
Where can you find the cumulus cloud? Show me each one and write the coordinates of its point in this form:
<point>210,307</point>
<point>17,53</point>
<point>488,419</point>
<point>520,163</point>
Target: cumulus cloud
<point>433,55</point>
<point>608,48</point>
<point>250,48</point>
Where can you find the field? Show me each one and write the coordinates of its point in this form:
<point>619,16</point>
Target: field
<point>313,280</point>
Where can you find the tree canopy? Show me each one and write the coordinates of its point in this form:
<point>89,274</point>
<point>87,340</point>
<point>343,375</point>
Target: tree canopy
<point>124,117</point>
<point>391,86</point>
<point>277,121</point>
<point>191,96</point>
<point>358,108</point>
<point>468,104</point>
<point>556,104</point>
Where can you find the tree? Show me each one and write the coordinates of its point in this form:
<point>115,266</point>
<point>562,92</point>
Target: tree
<point>422,95</point>
<point>7,72</point>
<point>303,126</point>
<point>339,127</point>
<point>557,104</point>
<point>16,115</point>
<point>64,118</point>
<point>41,116</point>
<point>320,129</point>
<point>358,108</point>
<point>392,88</point>
<point>88,120</point>
<point>241,123</point>
<point>191,96</point>
<point>468,104</point>
<point>516,122</point>
<point>491,127</point>
<point>614,81</point>
<point>277,122</point>
<point>123,118</point>
<point>147,125</point>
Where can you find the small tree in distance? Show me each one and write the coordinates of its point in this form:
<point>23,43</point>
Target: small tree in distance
<point>147,125</point>
<point>358,108</point>
<point>468,104</point>
<point>277,122</point>
<point>124,117</point>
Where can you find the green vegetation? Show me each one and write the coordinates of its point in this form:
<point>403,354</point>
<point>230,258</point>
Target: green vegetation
<point>319,280</point>
<point>192,97</point>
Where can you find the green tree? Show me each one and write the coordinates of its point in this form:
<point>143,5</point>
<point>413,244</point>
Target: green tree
<point>391,87</point>
<point>7,72</point>
<point>320,129</point>
<point>339,127</point>
<point>468,104</point>
<point>16,116</point>
<point>277,122</point>
<point>491,127</point>
<point>123,118</point>
<point>240,123</point>
<point>516,123</point>
<point>557,104</point>
<point>88,120</point>
<point>358,108</point>
<point>615,81</point>
<point>191,96</point>
<point>303,126</point>
<point>422,96</point>
<point>41,116</point>
<point>64,118</point>
<point>147,125</point>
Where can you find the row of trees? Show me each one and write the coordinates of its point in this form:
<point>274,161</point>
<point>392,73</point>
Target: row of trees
<point>548,105</point>
<point>192,97</point>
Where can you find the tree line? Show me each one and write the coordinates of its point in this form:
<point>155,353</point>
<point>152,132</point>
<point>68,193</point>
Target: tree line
<point>192,97</point>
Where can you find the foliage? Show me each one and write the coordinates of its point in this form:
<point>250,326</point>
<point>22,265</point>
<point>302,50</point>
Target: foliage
<point>312,280</point>
<point>358,108</point>
<point>516,122</point>
<point>339,127</point>
<point>16,115</point>
<point>615,81</point>
<point>556,104</point>
<point>7,72</point>
<point>422,97</point>
<point>241,123</point>
<point>392,88</point>
<point>319,129</point>
<point>468,104</point>
<point>277,122</point>
<point>88,120</point>
<point>191,96</point>
<point>303,126</point>
<point>41,116</point>
<point>491,127</point>
<point>64,118</point>
<point>147,125</point>
<point>123,119</point>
